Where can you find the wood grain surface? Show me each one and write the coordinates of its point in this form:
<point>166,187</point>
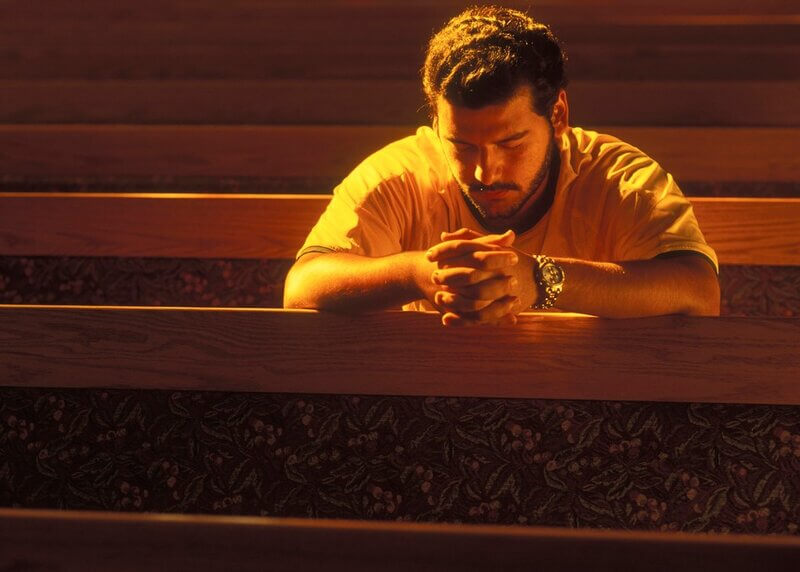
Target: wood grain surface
<point>386,102</point>
<point>257,40</point>
<point>157,225</point>
<point>742,231</point>
<point>268,151</point>
<point>690,154</point>
<point>142,61</point>
<point>751,231</point>
<point>671,358</point>
<point>78,541</point>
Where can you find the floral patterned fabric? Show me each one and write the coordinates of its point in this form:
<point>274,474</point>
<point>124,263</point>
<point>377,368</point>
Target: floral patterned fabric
<point>142,281</point>
<point>646,466</point>
<point>746,290</point>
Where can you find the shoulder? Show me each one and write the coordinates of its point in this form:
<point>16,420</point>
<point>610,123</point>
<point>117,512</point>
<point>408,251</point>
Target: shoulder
<point>599,160</point>
<point>415,161</point>
<point>592,151</point>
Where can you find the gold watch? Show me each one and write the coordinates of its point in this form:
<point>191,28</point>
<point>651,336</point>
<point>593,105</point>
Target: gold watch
<point>549,278</point>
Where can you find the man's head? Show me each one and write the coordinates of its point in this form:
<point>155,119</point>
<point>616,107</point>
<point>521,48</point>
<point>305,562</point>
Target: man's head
<point>494,80</point>
<point>485,53</point>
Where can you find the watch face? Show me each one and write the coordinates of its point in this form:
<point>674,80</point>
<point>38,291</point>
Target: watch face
<point>552,274</point>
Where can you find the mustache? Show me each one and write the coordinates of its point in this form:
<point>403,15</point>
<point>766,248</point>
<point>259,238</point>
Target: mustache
<point>478,188</point>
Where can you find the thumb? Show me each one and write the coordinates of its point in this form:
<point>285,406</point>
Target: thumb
<point>460,234</point>
<point>505,239</point>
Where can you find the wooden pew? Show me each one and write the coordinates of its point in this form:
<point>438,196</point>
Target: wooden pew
<point>743,231</point>
<point>670,359</point>
<point>31,151</point>
<point>132,51</point>
<point>242,40</point>
<point>317,101</point>
<point>709,360</point>
<point>79,541</point>
<point>550,356</point>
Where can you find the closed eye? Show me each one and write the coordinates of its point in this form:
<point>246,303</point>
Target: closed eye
<point>463,147</point>
<point>512,142</point>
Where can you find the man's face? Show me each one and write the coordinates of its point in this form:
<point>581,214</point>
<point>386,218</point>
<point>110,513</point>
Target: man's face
<point>499,154</point>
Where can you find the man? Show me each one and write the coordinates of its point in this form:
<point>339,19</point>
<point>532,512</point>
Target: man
<point>501,206</point>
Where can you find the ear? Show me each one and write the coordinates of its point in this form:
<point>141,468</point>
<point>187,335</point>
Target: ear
<point>560,116</point>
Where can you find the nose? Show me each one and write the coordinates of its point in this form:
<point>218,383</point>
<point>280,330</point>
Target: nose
<point>486,167</point>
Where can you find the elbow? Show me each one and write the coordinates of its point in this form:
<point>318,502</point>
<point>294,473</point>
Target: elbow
<point>295,295</point>
<point>699,287</point>
<point>291,299</point>
<point>713,301</point>
<point>707,306</point>
<point>706,298</point>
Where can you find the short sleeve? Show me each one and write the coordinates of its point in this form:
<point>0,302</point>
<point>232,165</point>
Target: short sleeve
<point>653,216</point>
<point>360,219</point>
<point>388,204</point>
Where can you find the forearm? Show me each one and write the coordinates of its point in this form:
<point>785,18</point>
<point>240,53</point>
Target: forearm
<point>680,285</point>
<point>352,283</point>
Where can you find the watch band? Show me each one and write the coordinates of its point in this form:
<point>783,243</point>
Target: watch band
<point>549,277</point>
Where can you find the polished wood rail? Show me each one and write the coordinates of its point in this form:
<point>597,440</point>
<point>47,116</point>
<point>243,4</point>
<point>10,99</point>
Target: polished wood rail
<point>743,231</point>
<point>549,356</point>
<point>691,154</point>
<point>77,541</point>
<point>241,39</point>
<point>383,102</point>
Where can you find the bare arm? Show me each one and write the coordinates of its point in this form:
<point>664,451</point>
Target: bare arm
<point>473,279</point>
<point>685,284</point>
<point>352,283</point>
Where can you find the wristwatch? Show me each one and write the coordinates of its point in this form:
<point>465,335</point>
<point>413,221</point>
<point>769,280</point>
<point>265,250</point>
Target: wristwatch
<point>549,277</point>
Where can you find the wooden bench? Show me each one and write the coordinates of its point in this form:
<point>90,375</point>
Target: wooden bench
<point>35,151</point>
<point>665,360</point>
<point>84,354</point>
<point>688,63</point>
<point>743,231</point>
<point>716,65</point>
<point>277,39</point>
<point>670,359</point>
<point>315,101</point>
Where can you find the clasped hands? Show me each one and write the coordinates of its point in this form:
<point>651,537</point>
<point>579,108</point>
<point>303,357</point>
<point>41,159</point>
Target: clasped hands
<point>479,279</point>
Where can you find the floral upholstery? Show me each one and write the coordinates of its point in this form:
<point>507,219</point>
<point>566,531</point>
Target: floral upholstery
<point>746,290</point>
<point>691,467</point>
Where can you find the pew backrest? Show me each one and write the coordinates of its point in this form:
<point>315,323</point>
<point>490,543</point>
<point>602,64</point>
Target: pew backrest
<point>743,231</point>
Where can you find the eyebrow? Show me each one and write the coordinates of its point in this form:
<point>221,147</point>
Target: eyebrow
<point>513,137</point>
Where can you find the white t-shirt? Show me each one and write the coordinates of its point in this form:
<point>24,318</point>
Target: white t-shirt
<point>612,203</point>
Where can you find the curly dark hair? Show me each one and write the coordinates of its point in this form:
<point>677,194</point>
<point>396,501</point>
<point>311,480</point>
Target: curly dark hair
<point>485,53</point>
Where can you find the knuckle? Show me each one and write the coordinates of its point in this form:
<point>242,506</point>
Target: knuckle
<point>472,305</point>
<point>486,291</point>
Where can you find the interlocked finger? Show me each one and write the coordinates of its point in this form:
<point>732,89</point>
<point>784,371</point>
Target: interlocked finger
<point>454,248</point>
<point>481,260</point>
<point>454,302</point>
<point>491,289</point>
<point>461,276</point>
<point>461,233</point>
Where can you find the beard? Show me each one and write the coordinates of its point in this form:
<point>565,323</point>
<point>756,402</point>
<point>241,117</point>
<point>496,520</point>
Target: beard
<point>496,217</point>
